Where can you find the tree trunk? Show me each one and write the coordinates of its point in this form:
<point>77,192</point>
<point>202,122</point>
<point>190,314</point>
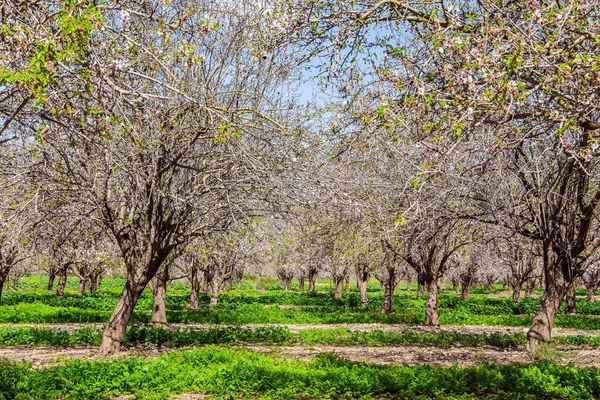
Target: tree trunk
<point>362,289</point>
<point>516,294</point>
<point>541,327</point>
<point>214,291</point>
<point>93,282</point>
<point>466,290</point>
<point>408,281</point>
<point>82,285</point>
<point>312,277</point>
<point>455,286</point>
<point>591,292</point>
<point>431,304</point>
<point>62,281</point>
<point>571,306</point>
<point>195,281</point>
<point>114,333</point>
<point>158,286</point>
<point>2,280</point>
<point>529,287</point>
<point>390,285</point>
<point>347,284</point>
<point>100,277</point>
<point>16,283</point>
<point>339,286</point>
<point>301,283</point>
<point>420,286</point>
<point>51,277</point>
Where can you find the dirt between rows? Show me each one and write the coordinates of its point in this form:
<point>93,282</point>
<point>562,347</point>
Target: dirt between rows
<point>443,355</point>
<point>466,329</point>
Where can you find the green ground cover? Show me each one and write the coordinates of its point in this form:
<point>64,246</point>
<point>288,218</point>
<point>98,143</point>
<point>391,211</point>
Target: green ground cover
<point>261,300</point>
<point>229,373</point>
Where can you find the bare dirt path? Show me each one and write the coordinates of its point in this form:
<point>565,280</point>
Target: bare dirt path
<point>472,329</point>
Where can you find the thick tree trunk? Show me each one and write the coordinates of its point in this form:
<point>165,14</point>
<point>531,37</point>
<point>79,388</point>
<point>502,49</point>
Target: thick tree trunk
<point>390,285</point>
<point>312,278</point>
<point>51,277</point>
<point>114,333</point>
<point>516,294</point>
<point>93,282</point>
<point>466,290</point>
<point>195,281</point>
<point>571,306</point>
<point>431,304</point>
<point>529,287</point>
<point>339,286</point>
<point>541,327</point>
<point>301,284</point>
<point>214,291</point>
<point>82,286</point>
<point>420,286</point>
<point>362,290</point>
<point>158,286</point>
<point>62,281</point>
<point>591,293</point>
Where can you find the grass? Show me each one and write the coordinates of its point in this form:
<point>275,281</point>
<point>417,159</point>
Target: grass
<point>233,373</point>
<point>248,305</point>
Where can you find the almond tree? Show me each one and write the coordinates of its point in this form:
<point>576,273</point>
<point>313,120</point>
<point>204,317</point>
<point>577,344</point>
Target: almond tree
<point>172,129</point>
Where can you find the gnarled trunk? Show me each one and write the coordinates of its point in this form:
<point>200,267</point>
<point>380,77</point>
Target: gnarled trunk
<point>158,286</point>
<point>516,294</point>
<point>431,304</point>
<point>466,290</point>
<point>571,305</point>
<point>540,331</point>
<point>62,281</point>
<point>591,291</point>
<point>16,283</point>
<point>114,333</point>
<point>51,277</point>
<point>529,288</point>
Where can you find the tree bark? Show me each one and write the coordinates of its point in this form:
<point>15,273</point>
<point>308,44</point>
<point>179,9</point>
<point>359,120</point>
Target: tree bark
<point>16,283</point>
<point>301,283</point>
<point>2,280</point>
<point>339,286</point>
<point>466,290</point>
<point>114,333</point>
<point>82,286</point>
<point>51,278</point>
<point>529,287</point>
<point>389,285</point>
<point>420,285</point>
<point>540,331</point>
<point>516,294</point>
<point>195,281</point>
<point>431,304</point>
<point>158,286</point>
<point>62,281</point>
<point>571,305</point>
<point>312,277</point>
<point>591,293</point>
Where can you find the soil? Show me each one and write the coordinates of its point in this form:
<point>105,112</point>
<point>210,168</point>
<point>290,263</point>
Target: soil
<point>439,355</point>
